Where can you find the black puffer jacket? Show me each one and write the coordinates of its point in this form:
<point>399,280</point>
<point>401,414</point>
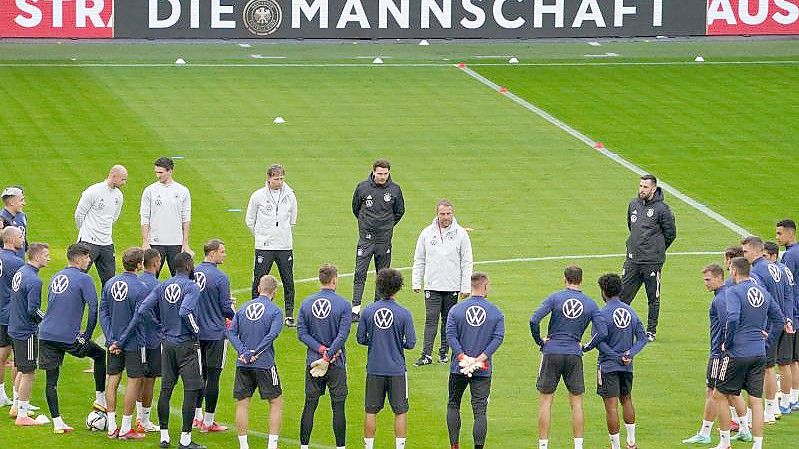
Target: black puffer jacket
<point>652,229</point>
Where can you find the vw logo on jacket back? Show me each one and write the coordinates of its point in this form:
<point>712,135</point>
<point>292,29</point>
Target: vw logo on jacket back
<point>172,293</point>
<point>384,318</point>
<point>475,316</point>
<point>119,291</point>
<point>59,284</point>
<point>622,318</point>
<point>775,272</point>
<point>572,308</point>
<point>321,308</point>
<point>755,297</point>
<point>255,311</point>
<point>16,281</point>
<point>199,279</point>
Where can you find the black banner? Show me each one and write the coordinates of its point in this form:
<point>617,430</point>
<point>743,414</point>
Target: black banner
<point>422,19</point>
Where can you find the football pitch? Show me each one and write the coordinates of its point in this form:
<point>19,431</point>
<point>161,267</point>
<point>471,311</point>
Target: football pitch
<point>722,132</point>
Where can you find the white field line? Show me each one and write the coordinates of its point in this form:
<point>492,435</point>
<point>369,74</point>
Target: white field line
<point>518,260</point>
<point>395,65</point>
<point>611,155</point>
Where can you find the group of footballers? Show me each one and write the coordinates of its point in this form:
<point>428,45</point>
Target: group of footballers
<point>179,328</point>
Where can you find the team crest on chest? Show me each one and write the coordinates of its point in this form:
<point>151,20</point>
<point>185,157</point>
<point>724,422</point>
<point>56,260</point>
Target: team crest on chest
<point>650,212</point>
<point>387,197</point>
<point>369,201</point>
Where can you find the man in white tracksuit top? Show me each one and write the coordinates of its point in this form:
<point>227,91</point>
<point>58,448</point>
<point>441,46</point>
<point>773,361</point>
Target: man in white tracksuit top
<point>444,259</point>
<point>271,213</point>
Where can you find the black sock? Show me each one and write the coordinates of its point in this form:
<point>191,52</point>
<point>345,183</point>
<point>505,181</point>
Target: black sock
<point>306,422</point>
<point>51,391</point>
<point>211,391</point>
<point>189,400</point>
<point>339,423</point>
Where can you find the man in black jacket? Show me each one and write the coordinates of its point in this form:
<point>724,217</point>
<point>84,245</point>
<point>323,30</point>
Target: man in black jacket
<point>378,205</point>
<point>652,230</point>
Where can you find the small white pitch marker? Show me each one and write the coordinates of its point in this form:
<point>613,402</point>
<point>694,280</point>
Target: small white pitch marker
<point>424,43</point>
<point>377,61</point>
<point>279,120</point>
<point>180,61</point>
<point>513,60</point>
<point>699,59</point>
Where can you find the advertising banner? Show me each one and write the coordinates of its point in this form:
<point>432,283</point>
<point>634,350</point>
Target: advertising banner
<point>57,18</point>
<point>354,19</point>
<point>735,17</point>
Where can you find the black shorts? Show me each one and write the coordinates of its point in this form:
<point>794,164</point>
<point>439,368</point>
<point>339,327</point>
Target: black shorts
<point>377,387</point>
<point>795,348</point>
<point>5,339</point>
<point>615,384</point>
<point>134,362</point>
<point>479,387</point>
<point>266,380</point>
<point>153,362</point>
<point>785,349</point>
<point>26,352</point>
<point>182,360</point>
<point>555,366</point>
<point>51,353</point>
<point>212,353</point>
<point>712,376</point>
<point>741,373</point>
<point>335,381</point>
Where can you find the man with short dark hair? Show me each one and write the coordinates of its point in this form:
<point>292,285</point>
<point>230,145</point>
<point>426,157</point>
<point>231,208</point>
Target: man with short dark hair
<point>786,236</point>
<point>166,215</point>
<point>378,205</point>
<point>624,340</point>
<point>175,305</point>
<point>97,211</point>
<point>118,302</point>
<point>570,313</point>
<point>444,259</point>
<point>783,353</point>
<point>71,292</point>
<point>12,215</point>
<point>387,330</point>
<point>9,264</point>
<point>652,231</point>
<point>323,324</point>
<point>772,278</point>
<point>253,331</point>
<point>213,307</point>
<point>24,316</point>
<point>749,306</point>
<point>150,328</point>
<point>475,329</point>
<point>271,215</point>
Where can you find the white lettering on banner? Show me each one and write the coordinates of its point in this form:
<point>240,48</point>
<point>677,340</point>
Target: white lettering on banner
<point>194,19</point>
<point>353,12</point>
<point>83,12</point>
<point>401,14</point>
<point>620,11</point>
<point>217,9</point>
<point>752,12</point>
<point>789,13</point>
<point>478,13</point>
<point>309,11</point>
<point>174,15</point>
<point>35,15</point>
<point>657,13</point>
<point>500,18</point>
<point>443,13</point>
<point>589,10</point>
<point>540,9</point>
<point>753,19</point>
<point>58,13</point>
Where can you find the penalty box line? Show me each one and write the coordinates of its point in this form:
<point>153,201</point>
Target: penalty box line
<point>729,224</point>
<point>517,260</point>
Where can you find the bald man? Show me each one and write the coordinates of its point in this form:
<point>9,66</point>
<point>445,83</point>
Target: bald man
<point>99,207</point>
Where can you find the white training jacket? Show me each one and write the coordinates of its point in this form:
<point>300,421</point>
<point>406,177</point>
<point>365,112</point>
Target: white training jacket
<point>270,216</point>
<point>97,211</point>
<point>444,258</point>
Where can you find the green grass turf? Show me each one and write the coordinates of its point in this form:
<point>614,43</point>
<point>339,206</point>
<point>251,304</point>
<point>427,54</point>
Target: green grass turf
<point>526,187</point>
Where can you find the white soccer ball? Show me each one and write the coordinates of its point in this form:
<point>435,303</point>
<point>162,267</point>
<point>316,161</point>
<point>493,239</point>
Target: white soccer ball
<point>96,421</point>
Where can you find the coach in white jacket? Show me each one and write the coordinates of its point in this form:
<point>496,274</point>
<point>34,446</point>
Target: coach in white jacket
<point>271,213</point>
<point>444,259</point>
